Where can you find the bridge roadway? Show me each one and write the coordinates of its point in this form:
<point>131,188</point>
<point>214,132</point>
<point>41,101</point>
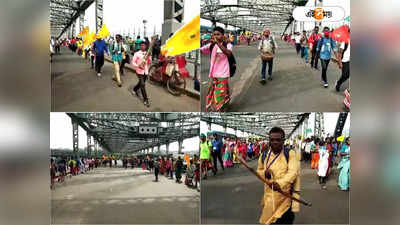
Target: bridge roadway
<point>233,197</point>
<point>295,86</point>
<point>76,88</point>
<point>123,196</point>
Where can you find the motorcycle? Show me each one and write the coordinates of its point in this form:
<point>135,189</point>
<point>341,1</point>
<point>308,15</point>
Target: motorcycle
<point>166,72</point>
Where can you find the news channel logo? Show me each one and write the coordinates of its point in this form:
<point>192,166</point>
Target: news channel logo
<point>319,14</point>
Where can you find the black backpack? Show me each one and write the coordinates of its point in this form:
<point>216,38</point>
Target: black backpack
<point>231,60</point>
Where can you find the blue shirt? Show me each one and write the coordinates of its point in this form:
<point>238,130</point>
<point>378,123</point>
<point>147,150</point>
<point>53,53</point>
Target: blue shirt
<point>326,45</point>
<point>250,147</point>
<point>100,47</point>
<point>217,145</point>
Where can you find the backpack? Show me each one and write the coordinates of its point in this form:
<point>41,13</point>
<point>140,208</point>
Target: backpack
<point>285,153</point>
<point>231,60</point>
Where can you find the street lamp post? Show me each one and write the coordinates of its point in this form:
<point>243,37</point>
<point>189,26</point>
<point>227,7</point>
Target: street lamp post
<point>144,28</point>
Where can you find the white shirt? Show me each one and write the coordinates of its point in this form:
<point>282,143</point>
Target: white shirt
<point>297,38</point>
<point>308,147</point>
<point>346,54</point>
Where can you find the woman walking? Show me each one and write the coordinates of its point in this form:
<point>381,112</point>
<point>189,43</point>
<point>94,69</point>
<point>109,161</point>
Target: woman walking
<point>344,166</point>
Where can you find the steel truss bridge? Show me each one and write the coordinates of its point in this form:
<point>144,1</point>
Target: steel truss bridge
<point>134,132</point>
<point>65,13</point>
<point>258,123</point>
<point>251,15</point>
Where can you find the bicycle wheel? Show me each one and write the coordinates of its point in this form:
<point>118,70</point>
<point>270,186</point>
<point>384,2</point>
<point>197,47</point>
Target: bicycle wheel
<point>176,84</point>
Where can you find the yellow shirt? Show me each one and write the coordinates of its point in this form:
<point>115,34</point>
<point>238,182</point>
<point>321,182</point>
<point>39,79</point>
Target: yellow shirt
<point>284,173</point>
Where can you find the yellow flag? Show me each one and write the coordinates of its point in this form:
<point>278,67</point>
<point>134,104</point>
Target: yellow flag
<point>89,39</point>
<point>186,39</point>
<point>341,138</point>
<point>84,32</point>
<point>103,32</point>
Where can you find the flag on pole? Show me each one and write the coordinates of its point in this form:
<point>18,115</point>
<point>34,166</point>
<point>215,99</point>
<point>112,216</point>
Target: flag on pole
<point>186,39</point>
<point>103,32</point>
<point>341,138</point>
<point>89,39</point>
<point>84,32</point>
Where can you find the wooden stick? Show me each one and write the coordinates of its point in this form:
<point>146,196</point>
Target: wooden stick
<point>287,195</point>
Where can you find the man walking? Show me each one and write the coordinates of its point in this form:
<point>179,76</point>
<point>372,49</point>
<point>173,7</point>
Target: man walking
<point>267,48</point>
<point>280,168</point>
<point>116,50</point>
<point>325,46</point>
<point>344,64</point>
<point>216,152</point>
<point>142,66</point>
<point>304,47</point>
<point>313,40</point>
<point>205,154</point>
<point>297,39</point>
<point>156,168</point>
<point>218,95</point>
<point>99,47</point>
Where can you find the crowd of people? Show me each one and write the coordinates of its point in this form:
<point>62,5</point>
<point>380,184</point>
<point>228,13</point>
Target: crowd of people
<point>226,151</point>
<point>168,166</point>
<point>321,47</point>
<point>324,154</point>
<point>140,53</point>
<point>312,48</point>
<point>69,166</point>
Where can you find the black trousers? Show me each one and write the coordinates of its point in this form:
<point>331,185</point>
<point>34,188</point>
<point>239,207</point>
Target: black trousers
<point>126,60</point>
<point>92,60</point>
<point>287,218</point>
<point>345,73</point>
<point>99,63</point>
<point>141,84</point>
<point>156,170</point>
<point>298,48</point>
<point>324,65</point>
<point>217,155</point>
<point>314,57</point>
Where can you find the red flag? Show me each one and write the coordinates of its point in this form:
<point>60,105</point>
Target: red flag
<point>341,34</point>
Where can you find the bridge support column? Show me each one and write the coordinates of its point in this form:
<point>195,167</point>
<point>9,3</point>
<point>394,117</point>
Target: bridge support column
<point>167,148</point>
<point>75,137</point>
<point>173,17</point>
<point>180,142</point>
<point>99,14</point>
<point>89,144</point>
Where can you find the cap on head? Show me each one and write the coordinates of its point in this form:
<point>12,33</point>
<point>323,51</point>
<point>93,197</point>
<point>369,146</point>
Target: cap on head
<point>202,135</point>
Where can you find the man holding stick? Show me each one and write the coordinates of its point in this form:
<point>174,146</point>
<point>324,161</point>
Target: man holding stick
<point>280,168</point>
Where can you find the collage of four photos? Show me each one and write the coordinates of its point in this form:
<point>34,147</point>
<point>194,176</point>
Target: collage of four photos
<point>200,111</point>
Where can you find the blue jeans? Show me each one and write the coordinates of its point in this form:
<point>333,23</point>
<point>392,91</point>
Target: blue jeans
<point>264,65</point>
<point>304,53</point>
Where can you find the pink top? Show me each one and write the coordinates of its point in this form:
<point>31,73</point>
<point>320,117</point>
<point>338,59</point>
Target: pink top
<point>219,65</point>
<point>138,59</point>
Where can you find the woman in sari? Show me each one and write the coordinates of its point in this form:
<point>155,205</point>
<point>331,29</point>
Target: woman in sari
<point>344,165</point>
<point>228,153</point>
<point>236,152</point>
<point>243,150</point>
<point>315,154</point>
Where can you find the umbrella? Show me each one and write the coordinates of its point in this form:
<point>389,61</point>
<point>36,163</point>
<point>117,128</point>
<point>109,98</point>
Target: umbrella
<point>341,34</point>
